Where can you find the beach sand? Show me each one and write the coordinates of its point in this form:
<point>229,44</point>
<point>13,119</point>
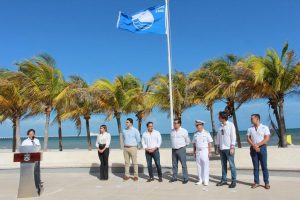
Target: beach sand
<point>278,159</point>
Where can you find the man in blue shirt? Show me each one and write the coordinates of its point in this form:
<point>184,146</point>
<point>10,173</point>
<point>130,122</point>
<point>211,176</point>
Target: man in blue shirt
<point>132,139</point>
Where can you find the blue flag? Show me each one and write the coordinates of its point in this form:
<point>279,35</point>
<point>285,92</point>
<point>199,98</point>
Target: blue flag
<point>151,20</point>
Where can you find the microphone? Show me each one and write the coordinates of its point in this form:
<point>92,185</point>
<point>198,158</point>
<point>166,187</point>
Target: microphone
<point>32,140</point>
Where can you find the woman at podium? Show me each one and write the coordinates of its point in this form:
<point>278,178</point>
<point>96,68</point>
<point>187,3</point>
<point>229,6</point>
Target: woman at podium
<point>33,141</point>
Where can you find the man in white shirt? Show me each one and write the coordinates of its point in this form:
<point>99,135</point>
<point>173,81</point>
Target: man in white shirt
<point>258,136</point>
<point>151,141</point>
<point>33,141</point>
<point>202,151</point>
<point>179,140</point>
<point>226,140</point>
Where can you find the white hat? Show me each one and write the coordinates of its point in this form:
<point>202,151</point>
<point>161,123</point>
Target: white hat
<point>197,122</point>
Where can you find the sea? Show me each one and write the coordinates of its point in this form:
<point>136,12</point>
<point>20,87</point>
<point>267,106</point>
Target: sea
<point>80,142</point>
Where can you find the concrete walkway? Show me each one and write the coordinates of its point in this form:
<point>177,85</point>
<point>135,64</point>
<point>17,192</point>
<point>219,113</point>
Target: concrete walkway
<point>82,184</point>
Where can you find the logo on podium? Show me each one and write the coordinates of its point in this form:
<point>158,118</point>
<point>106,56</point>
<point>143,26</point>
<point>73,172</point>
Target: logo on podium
<point>26,157</point>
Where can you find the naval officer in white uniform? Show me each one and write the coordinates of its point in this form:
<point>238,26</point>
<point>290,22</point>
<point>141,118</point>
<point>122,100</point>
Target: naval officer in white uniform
<point>202,143</point>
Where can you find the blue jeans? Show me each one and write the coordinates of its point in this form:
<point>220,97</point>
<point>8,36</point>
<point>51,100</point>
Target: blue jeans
<point>179,155</point>
<point>260,157</point>
<point>156,157</point>
<point>226,156</point>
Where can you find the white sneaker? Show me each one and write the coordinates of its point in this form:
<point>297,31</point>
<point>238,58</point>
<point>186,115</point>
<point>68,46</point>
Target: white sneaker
<point>198,183</point>
<point>205,184</point>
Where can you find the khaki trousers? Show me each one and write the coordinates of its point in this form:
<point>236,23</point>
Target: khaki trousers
<point>130,153</point>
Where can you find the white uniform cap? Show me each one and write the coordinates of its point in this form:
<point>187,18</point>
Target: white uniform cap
<point>197,122</point>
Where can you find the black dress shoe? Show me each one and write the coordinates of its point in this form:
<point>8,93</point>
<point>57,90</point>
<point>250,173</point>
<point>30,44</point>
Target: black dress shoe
<point>173,180</point>
<point>232,185</point>
<point>185,181</point>
<point>160,179</point>
<point>150,179</point>
<point>221,183</point>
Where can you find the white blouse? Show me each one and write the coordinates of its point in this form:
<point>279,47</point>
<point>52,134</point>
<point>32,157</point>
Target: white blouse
<point>103,138</point>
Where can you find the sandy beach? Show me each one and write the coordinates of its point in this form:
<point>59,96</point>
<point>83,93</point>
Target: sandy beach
<point>278,159</point>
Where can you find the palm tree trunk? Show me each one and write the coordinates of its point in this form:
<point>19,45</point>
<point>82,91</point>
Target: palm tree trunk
<point>88,133</point>
<point>118,117</point>
<point>14,143</point>
<point>276,113</point>
<point>140,125</point>
<point>18,139</point>
<point>282,129</point>
<point>46,135</point>
<point>238,137</point>
<point>59,134</point>
<point>211,110</point>
<point>178,115</point>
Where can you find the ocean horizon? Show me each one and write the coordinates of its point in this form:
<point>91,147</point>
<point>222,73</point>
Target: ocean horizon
<point>80,142</point>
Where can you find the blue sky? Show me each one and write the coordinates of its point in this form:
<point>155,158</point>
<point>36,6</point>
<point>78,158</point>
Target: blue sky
<point>82,36</point>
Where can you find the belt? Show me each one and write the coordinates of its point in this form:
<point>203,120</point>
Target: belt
<point>129,146</point>
<point>202,148</point>
<point>178,148</point>
<point>102,146</point>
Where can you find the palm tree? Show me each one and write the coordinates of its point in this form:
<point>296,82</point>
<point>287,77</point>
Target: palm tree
<point>47,83</point>
<point>224,69</point>
<point>159,86</point>
<point>14,101</point>
<point>141,103</point>
<point>58,119</point>
<point>78,101</point>
<point>277,76</point>
<point>202,81</point>
<point>114,97</point>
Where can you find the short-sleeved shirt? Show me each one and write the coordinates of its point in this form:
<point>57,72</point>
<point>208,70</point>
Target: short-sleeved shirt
<point>258,134</point>
<point>202,139</point>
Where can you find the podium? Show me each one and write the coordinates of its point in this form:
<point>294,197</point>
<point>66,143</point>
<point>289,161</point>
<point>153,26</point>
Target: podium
<point>29,158</point>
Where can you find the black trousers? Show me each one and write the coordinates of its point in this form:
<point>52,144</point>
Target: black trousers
<point>103,157</point>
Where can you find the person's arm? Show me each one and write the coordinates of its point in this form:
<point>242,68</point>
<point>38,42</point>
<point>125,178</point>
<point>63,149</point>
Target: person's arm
<point>217,142</point>
<point>250,141</point>
<point>158,140</point>
<point>97,141</point>
<point>38,144</point>
<point>138,137</point>
<point>194,148</point>
<point>144,143</point>
<point>249,138</point>
<point>209,140</point>
<point>194,144</point>
<point>209,149</point>
<point>232,137</point>
<point>108,139</point>
<point>187,138</point>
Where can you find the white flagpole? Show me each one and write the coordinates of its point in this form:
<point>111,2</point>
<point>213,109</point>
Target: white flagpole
<point>169,62</point>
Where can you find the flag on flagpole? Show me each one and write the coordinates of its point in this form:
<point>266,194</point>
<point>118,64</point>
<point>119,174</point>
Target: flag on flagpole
<point>151,20</point>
